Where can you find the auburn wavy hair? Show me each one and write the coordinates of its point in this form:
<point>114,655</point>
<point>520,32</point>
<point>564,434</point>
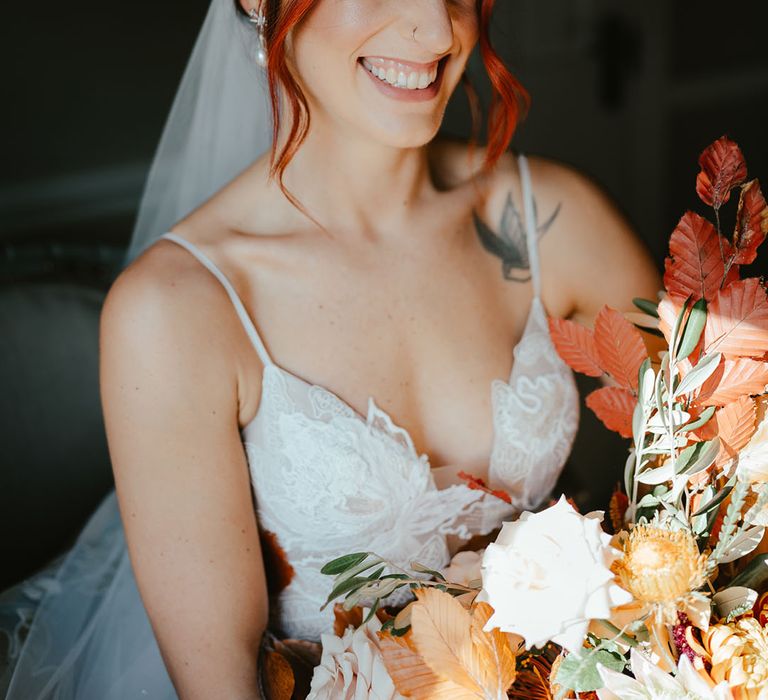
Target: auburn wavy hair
<point>510,101</point>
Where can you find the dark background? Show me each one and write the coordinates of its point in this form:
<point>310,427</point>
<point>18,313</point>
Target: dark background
<point>629,93</point>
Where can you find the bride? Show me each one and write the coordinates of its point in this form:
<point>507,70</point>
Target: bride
<point>320,339</point>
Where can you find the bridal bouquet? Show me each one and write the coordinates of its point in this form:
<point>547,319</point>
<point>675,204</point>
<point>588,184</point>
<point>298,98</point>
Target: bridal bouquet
<point>669,597</point>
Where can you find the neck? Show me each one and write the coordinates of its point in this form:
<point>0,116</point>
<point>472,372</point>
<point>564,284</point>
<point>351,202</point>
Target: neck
<point>353,185</point>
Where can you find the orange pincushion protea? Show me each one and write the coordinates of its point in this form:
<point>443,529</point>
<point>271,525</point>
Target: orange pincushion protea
<point>661,568</point>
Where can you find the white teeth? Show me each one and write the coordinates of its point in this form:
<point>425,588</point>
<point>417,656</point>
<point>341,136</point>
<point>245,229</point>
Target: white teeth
<point>400,75</point>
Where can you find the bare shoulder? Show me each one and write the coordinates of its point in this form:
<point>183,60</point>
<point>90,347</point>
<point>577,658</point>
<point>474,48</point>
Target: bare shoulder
<point>159,314</point>
<point>589,252</point>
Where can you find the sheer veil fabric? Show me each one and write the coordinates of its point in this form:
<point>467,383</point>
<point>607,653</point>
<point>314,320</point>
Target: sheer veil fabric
<point>220,122</point>
<point>72,631</point>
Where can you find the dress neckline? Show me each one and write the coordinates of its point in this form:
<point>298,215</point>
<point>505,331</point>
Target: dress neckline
<point>373,409</point>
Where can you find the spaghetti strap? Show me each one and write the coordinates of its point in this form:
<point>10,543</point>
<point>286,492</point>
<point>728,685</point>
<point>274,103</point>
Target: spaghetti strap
<point>530,224</point>
<point>245,319</point>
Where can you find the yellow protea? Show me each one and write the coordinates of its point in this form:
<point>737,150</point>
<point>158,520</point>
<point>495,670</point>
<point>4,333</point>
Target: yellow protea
<point>738,652</point>
<point>660,568</point>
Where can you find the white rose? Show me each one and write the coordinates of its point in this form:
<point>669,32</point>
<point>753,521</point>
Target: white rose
<point>548,574</point>
<point>464,567</point>
<point>351,667</point>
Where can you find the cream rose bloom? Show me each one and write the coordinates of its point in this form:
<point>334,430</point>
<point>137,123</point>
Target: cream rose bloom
<point>548,574</point>
<point>464,567</point>
<point>351,667</point>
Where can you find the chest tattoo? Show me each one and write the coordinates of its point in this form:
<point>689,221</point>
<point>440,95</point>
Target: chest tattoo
<point>510,244</point>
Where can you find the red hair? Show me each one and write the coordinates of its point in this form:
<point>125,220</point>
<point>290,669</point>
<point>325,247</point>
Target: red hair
<point>510,101</point>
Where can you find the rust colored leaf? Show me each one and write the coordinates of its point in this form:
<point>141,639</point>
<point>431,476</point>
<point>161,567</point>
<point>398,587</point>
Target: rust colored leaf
<point>732,380</point>
<point>476,483</point>
<point>411,675</point>
<point>695,265</point>
<point>351,618</point>
<point>614,406</point>
<point>722,168</point>
<point>737,320</point>
<point>751,223</point>
<point>278,570</point>
<point>736,424</point>
<point>576,346</point>
<point>277,677</point>
<point>617,508</point>
<point>620,347</point>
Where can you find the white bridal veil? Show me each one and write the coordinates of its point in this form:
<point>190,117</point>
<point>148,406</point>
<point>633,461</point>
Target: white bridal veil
<point>220,122</point>
<point>78,630</point>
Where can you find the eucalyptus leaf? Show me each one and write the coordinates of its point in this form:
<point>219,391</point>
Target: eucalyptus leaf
<point>733,599</point>
<point>426,570</point>
<point>703,370</point>
<point>703,418</point>
<point>742,544</point>
<point>647,306</point>
<point>341,564</point>
<point>346,586</point>
<point>718,498</point>
<point>675,339</point>
<point>579,672</point>
<point>694,327</point>
<point>698,457</point>
<point>755,574</point>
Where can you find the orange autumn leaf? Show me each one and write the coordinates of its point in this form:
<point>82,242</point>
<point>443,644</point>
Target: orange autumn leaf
<point>576,346</point>
<point>497,660</point>
<point>669,309</point>
<point>446,655</point>
<point>751,223</point>
<point>411,675</point>
<point>722,168</point>
<point>614,406</point>
<point>737,320</point>
<point>732,380</point>
<point>277,677</point>
<point>620,347</point>
<point>736,425</point>
<point>695,265</point>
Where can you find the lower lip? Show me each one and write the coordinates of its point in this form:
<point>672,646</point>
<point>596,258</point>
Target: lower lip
<point>405,95</point>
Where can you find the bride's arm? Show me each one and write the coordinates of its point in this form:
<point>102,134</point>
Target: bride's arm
<point>169,394</point>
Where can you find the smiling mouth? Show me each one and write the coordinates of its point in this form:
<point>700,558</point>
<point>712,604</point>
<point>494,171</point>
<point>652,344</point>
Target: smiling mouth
<point>402,75</point>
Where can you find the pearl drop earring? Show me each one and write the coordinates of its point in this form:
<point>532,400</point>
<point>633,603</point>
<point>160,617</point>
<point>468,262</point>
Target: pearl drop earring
<point>259,19</point>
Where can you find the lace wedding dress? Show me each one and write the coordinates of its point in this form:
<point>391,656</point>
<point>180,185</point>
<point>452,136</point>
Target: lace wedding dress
<point>327,481</point>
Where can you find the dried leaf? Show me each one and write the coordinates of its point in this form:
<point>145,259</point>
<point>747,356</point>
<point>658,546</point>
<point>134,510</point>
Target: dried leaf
<point>441,634</point>
<point>277,677</point>
<point>614,406</point>
<point>411,675</point>
<point>576,346</point>
<point>617,509</point>
<point>736,424</point>
<point>737,322</point>
<point>496,658</point>
<point>279,572</point>
<point>751,223</point>
<point>722,168</point>
<point>732,380</point>
<point>620,347</point>
<point>696,265</point>
<point>669,309</point>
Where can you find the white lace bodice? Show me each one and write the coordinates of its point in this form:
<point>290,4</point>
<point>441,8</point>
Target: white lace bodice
<point>329,481</point>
